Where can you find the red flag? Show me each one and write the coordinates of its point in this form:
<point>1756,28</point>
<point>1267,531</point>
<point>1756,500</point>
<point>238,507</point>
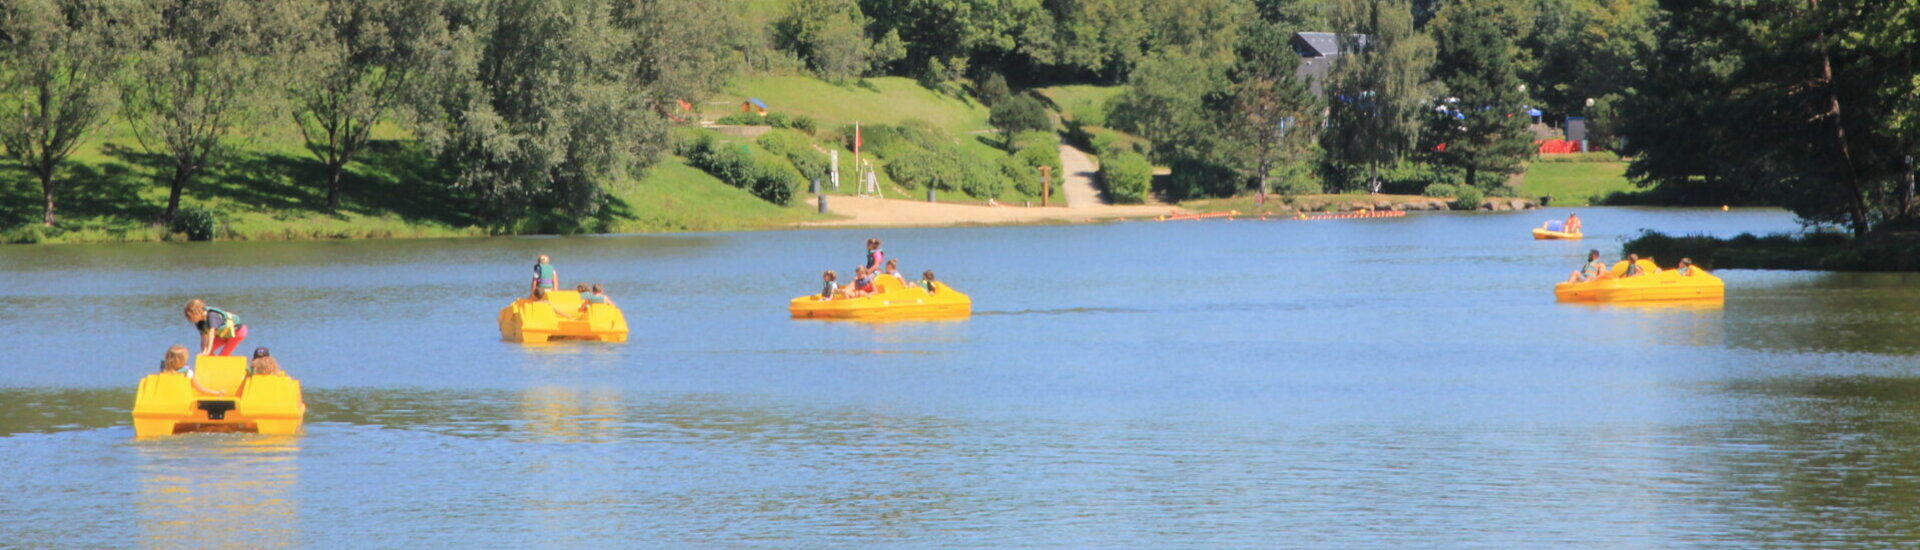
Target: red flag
<point>856,140</point>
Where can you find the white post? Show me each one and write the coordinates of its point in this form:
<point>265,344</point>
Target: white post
<point>833,168</point>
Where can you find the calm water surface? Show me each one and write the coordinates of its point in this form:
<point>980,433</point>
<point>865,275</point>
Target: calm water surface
<point>1346,384</point>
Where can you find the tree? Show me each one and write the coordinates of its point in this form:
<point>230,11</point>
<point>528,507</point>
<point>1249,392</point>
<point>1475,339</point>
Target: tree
<point>205,69</point>
<point>546,115</point>
<point>1271,110</point>
<point>1166,102</point>
<point>1378,88</point>
<point>1482,125</point>
<point>1792,102</point>
<point>369,58</point>
<point>683,49</point>
<point>59,58</point>
<point>832,36</point>
<point>1017,114</point>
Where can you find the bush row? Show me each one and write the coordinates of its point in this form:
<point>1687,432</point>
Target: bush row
<point>767,177</point>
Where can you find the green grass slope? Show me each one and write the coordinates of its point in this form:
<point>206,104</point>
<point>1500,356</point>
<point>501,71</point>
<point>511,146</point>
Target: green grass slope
<point>882,100</point>
<point>1576,183</point>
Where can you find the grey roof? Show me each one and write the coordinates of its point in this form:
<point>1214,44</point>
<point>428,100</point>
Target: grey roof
<point>1320,44</point>
<point>1314,70</point>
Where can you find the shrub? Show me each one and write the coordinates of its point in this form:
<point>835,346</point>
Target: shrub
<point>991,90</point>
<point>1196,179</point>
<point>1020,114</point>
<point>742,119</point>
<point>1468,198</point>
<point>198,223</point>
<point>1127,177</point>
<point>806,124</point>
<point>1440,190</point>
<point>776,120</point>
<point>1041,154</point>
<point>797,150</point>
<point>766,177</point>
<point>980,177</point>
<point>1026,179</point>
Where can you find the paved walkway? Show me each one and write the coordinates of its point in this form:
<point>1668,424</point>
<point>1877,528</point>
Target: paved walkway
<point>1080,170</point>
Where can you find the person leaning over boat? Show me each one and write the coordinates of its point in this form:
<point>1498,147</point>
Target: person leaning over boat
<point>1593,269</point>
<point>176,362</point>
<point>220,331</point>
<point>1685,268</point>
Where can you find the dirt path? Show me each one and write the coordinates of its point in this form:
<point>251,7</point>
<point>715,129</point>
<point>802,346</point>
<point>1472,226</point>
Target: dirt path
<point>1080,171</point>
<point>873,212</point>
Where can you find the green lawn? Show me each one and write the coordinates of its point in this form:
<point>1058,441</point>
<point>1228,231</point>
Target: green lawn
<point>884,100</point>
<point>675,197</point>
<point>271,188</point>
<point>1575,183</point>
<point>1082,103</point>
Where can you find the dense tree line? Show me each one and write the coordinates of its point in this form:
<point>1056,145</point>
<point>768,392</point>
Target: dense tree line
<point>535,106</point>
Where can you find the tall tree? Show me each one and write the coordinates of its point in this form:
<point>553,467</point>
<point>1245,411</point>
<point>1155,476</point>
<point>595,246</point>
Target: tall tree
<point>1789,101</point>
<point>205,69</point>
<point>1270,110</point>
<point>370,56</point>
<point>1378,89</point>
<point>547,115</point>
<point>831,35</point>
<point>55,76</point>
<point>1482,122</point>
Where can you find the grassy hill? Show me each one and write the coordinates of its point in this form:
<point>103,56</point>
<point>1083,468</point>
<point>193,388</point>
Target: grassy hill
<point>1576,183</point>
<point>882,100</point>
<point>271,188</point>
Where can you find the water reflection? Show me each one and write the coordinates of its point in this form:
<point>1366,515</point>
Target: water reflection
<point>219,491</point>
<point>568,415</point>
<point>1830,462</point>
<point>1847,312</point>
<point>39,410</point>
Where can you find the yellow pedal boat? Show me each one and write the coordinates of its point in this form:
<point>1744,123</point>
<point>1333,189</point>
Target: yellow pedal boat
<point>895,300</point>
<point>1541,234</point>
<point>1656,285</point>
<point>167,404</point>
<point>533,322</point>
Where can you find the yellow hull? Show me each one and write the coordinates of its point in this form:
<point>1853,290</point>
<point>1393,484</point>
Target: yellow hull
<point>1666,285</point>
<point>532,322</point>
<point>1544,235</point>
<point>893,301</point>
<point>167,404</point>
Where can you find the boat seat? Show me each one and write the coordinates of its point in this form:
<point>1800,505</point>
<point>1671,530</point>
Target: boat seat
<point>220,372</point>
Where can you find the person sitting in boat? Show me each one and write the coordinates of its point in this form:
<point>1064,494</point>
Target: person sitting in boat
<point>893,269</point>
<point>1593,269</point>
<point>1685,268</point>
<point>863,282</point>
<point>544,275</point>
<point>875,258</point>
<point>1633,267</point>
<point>176,362</point>
<point>829,287</point>
<point>220,331</point>
<point>927,281</point>
<point>1572,224</point>
<point>263,364</point>
<point>599,296</point>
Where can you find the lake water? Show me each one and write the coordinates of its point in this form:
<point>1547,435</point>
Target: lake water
<point>1385,383</point>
